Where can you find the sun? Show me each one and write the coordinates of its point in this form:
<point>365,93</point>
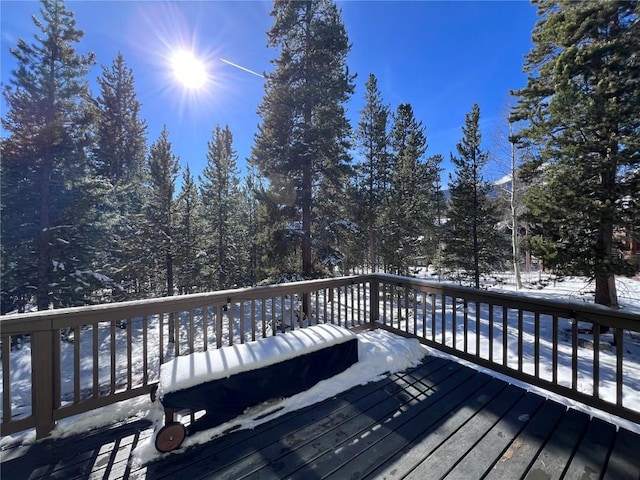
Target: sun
<point>189,70</point>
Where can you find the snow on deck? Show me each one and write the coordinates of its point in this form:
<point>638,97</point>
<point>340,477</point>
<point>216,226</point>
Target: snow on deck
<point>200,367</point>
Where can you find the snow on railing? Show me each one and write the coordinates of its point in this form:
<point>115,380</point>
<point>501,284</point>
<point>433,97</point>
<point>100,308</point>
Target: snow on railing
<point>75,360</point>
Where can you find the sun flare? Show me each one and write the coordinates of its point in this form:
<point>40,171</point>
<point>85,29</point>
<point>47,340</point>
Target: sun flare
<point>189,70</point>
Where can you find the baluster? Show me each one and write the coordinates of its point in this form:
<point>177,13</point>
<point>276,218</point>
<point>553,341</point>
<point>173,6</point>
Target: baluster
<point>491,331</point>
<point>520,339</point>
<point>129,334</point>
<point>95,370</point>
<point>145,350</point>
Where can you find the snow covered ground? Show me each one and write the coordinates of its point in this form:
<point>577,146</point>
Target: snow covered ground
<point>380,352</point>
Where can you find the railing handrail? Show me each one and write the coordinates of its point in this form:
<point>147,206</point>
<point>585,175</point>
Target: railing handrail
<point>71,316</point>
<point>581,310</point>
<point>45,320</point>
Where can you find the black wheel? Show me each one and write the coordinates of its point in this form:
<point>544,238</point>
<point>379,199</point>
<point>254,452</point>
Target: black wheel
<point>170,437</point>
<point>154,393</point>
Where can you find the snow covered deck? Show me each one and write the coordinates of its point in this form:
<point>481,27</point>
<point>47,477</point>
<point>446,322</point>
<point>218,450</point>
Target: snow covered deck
<point>438,420</point>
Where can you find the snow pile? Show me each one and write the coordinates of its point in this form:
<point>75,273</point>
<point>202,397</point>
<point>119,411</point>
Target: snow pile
<point>200,367</point>
<point>379,353</point>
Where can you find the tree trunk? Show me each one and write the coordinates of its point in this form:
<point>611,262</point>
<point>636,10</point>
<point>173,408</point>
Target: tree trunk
<point>44,241</point>
<point>222,278</point>
<point>515,248</point>
<point>527,252</point>
<point>605,279</point>
<point>306,222</point>
<point>307,171</point>
<point>476,246</point>
<point>169,275</point>
<point>172,320</point>
<point>372,250</point>
<point>514,214</point>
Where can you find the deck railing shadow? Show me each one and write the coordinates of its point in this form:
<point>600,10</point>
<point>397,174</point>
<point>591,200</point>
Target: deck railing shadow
<point>101,453</point>
<point>84,358</point>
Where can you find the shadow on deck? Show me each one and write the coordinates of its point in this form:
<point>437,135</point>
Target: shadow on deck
<point>439,420</point>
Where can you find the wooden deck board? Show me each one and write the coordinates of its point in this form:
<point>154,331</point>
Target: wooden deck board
<point>624,457</point>
<point>590,458</point>
<point>408,430</point>
<point>425,442</point>
<point>445,457</point>
<point>559,449</point>
<point>439,420</point>
<point>491,447</point>
<point>379,436</point>
<point>523,449</point>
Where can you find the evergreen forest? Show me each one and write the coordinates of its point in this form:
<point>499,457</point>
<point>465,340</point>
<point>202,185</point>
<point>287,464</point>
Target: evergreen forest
<point>94,211</point>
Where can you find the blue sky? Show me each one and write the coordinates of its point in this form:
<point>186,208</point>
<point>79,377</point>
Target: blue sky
<point>439,56</point>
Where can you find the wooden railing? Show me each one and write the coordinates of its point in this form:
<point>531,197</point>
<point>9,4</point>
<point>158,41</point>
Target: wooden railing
<point>88,357</point>
<point>553,344</point>
<point>84,358</point>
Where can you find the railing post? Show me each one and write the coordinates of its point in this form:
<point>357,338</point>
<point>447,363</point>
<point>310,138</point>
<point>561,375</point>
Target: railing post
<point>374,299</point>
<point>43,381</point>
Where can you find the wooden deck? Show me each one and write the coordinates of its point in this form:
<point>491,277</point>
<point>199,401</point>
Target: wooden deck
<point>439,420</point>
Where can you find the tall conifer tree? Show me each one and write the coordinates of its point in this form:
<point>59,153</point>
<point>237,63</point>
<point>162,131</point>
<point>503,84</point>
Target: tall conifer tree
<point>582,102</point>
<point>410,212</point>
<point>302,143</point>
<point>163,169</point>
<point>46,172</point>
<point>221,200</point>
<point>189,236</point>
<point>473,242</point>
<point>119,156</point>
<point>249,202</point>
<point>373,170</point>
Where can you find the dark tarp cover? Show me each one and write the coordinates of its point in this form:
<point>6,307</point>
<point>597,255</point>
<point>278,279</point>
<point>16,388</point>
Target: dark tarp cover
<point>226,398</point>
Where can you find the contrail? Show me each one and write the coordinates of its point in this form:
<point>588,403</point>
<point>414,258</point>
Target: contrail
<point>242,68</point>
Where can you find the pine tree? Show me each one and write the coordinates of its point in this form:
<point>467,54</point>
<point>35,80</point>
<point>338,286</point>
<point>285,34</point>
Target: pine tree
<point>354,242</point>
<point>278,237</point>
<point>439,209</point>
<point>250,206</point>
<point>373,170</point>
<point>119,156</point>
<point>302,143</point>
<point>160,207</point>
<point>409,220</point>
<point>121,140</point>
<point>473,242</point>
<point>18,195</point>
<point>221,200</point>
<point>44,159</point>
<point>189,243</point>
<point>582,102</point>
